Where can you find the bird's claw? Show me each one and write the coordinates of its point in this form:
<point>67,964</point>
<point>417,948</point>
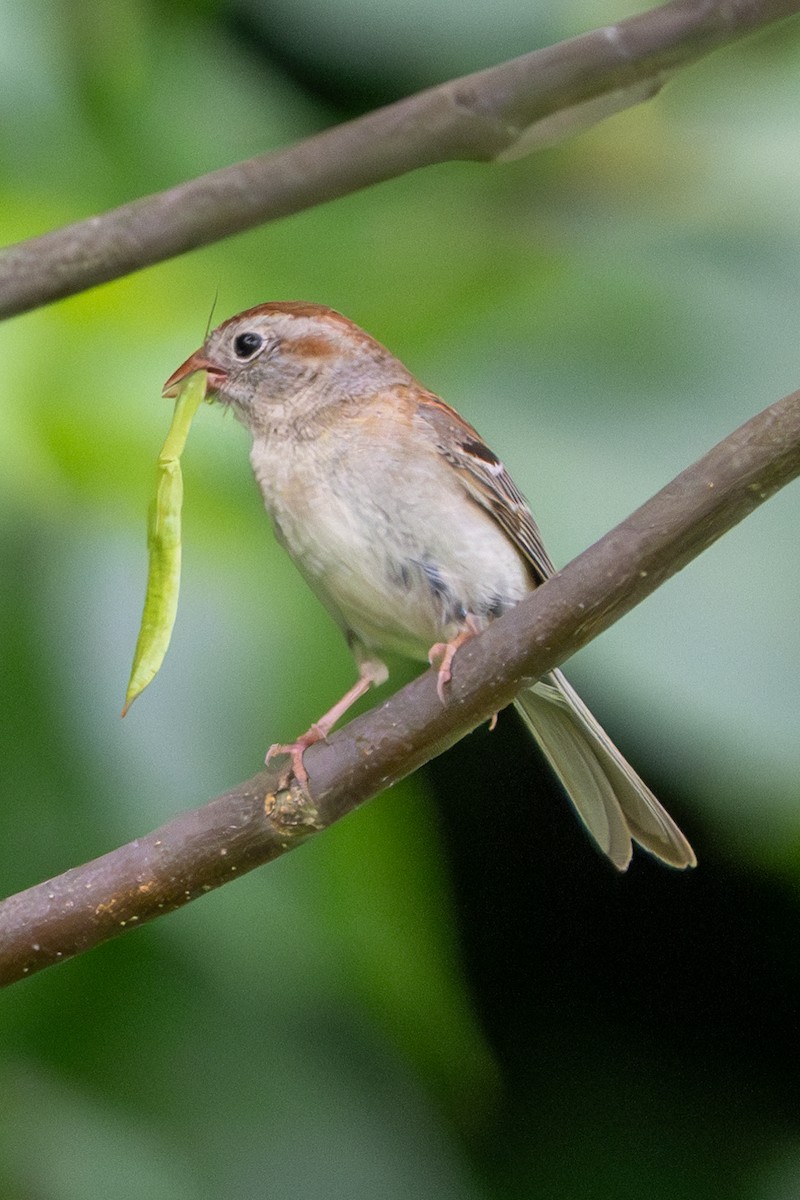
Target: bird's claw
<point>296,750</point>
<point>442,654</point>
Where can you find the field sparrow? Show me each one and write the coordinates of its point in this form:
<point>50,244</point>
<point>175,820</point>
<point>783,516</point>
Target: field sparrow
<point>410,531</point>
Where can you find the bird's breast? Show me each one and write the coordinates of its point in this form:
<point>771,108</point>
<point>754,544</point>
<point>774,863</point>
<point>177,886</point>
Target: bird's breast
<point>397,548</point>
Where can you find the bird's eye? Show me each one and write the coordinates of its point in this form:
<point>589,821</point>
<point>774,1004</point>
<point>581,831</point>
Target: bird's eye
<point>245,345</point>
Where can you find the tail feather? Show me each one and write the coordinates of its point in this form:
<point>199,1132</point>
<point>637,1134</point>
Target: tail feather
<point>608,795</point>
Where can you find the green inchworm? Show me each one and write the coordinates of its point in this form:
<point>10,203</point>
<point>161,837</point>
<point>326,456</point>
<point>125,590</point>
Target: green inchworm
<point>164,544</point>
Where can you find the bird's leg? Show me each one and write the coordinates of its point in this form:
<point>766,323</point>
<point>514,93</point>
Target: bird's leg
<point>370,671</point>
<point>442,654</point>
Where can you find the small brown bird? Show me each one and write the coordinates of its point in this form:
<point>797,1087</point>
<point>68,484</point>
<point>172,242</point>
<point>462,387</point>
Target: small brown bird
<point>410,531</point>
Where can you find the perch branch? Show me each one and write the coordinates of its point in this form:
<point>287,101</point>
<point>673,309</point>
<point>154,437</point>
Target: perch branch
<point>495,114</point>
<point>264,817</point>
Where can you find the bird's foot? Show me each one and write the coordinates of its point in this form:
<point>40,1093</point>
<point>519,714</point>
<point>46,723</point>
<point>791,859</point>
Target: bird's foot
<point>371,671</point>
<point>297,749</point>
<point>442,654</point>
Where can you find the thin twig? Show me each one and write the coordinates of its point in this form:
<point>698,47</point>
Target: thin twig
<point>264,817</point>
<point>496,114</point>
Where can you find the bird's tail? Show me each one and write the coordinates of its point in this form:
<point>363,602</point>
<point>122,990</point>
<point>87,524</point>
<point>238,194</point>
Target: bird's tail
<point>609,797</point>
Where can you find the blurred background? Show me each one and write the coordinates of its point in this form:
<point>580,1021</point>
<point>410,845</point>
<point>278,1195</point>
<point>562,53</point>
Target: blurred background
<point>449,995</point>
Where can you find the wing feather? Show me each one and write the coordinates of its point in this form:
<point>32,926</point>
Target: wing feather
<point>486,481</point>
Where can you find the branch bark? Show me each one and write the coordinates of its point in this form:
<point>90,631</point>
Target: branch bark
<point>268,815</point>
<point>496,114</point>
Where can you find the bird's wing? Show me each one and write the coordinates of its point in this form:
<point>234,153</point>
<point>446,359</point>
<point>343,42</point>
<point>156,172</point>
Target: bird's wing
<point>486,480</point>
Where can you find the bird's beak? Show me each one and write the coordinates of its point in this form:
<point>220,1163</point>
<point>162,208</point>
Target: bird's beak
<point>196,362</point>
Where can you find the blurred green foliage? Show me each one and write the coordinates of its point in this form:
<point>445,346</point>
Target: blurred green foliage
<point>603,312</point>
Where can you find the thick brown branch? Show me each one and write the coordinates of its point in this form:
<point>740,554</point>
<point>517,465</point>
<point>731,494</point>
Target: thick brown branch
<point>498,113</point>
<point>263,818</point>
